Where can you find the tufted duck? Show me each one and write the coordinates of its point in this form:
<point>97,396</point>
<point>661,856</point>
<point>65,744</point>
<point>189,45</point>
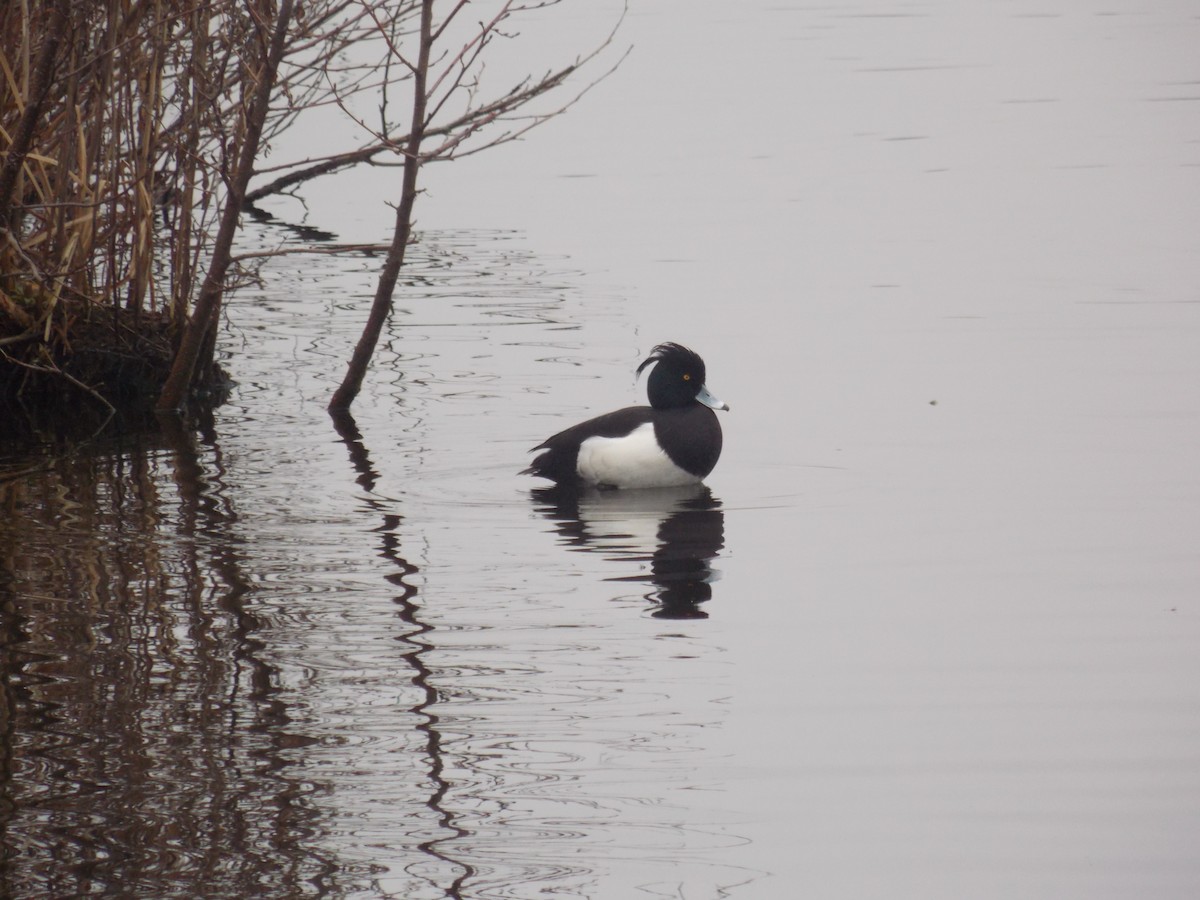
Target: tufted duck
<point>675,440</point>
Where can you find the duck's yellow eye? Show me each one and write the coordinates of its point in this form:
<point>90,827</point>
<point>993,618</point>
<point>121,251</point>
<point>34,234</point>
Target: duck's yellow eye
<point>687,376</point>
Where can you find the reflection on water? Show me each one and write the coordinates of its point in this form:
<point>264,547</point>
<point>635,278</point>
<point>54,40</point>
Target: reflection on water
<point>677,532</point>
<point>437,847</point>
<point>269,655</point>
<point>145,744</point>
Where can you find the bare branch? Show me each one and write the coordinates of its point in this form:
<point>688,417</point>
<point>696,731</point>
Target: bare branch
<point>123,137</point>
<point>459,73</point>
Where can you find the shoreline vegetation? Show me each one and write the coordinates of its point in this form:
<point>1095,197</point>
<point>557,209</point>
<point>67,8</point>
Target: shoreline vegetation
<point>131,139</point>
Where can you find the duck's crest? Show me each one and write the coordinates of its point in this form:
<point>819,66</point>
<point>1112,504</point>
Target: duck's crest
<point>677,354</point>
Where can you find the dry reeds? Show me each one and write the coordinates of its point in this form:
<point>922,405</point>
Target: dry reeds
<point>112,117</point>
<point>128,131</point>
<point>119,126</point>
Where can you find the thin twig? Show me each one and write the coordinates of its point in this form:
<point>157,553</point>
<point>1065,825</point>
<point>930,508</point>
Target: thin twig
<point>58,372</point>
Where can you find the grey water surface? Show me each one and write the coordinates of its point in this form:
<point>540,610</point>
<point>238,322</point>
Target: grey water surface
<point>932,629</point>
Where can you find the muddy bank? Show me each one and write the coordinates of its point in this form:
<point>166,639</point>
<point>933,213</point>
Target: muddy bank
<point>85,353</point>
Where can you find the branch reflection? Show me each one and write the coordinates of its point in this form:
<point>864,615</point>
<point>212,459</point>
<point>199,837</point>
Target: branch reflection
<point>436,848</point>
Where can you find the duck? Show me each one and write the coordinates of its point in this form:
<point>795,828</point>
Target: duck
<point>674,441</point>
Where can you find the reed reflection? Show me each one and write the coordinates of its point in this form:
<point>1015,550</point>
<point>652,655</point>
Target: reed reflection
<point>146,744</point>
<point>677,532</point>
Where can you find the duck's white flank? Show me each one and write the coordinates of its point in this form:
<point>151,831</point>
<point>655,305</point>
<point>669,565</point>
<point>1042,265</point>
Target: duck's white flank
<point>633,461</point>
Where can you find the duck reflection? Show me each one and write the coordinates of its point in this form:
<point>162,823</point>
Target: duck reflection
<point>678,531</point>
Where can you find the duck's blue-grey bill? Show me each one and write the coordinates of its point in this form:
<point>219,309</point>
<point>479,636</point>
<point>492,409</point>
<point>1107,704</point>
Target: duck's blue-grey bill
<point>709,400</point>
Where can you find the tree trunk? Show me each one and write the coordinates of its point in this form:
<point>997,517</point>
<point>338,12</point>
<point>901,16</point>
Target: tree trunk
<point>196,343</point>
<point>381,306</point>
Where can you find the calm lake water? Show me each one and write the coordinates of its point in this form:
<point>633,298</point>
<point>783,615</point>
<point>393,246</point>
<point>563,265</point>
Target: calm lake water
<point>931,630</point>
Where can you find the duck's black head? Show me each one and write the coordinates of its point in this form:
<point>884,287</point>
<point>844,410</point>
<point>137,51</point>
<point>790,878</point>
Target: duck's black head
<point>677,379</point>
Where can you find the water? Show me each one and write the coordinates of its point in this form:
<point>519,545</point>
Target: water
<point>931,629</point>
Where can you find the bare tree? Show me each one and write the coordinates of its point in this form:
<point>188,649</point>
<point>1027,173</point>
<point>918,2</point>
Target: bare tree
<point>129,135</point>
<point>438,79</point>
